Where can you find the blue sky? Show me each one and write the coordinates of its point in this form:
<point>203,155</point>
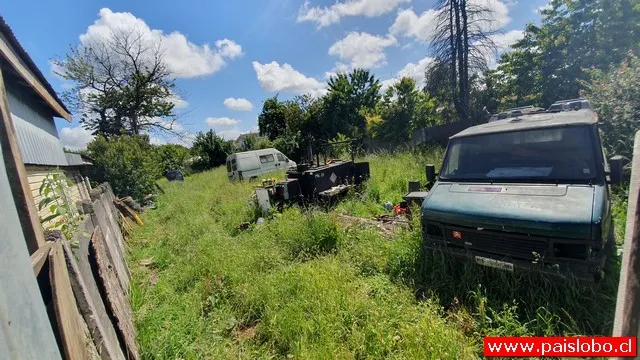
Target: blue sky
<point>246,51</point>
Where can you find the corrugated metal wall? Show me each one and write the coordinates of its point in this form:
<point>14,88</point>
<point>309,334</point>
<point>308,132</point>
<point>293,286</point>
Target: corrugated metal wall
<point>37,134</point>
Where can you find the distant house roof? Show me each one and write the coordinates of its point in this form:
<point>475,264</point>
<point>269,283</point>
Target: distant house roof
<point>241,137</point>
<point>530,122</point>
<point>18,58</point>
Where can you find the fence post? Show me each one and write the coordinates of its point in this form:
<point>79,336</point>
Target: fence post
<point>627,317</point>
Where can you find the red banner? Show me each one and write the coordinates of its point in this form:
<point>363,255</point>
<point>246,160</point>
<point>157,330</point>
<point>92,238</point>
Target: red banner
<point>560,346</point>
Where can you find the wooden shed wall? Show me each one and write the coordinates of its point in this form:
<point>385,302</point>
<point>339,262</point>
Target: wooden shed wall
<point>36,174</point>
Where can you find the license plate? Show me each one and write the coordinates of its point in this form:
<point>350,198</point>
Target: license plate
<point>503,265</point>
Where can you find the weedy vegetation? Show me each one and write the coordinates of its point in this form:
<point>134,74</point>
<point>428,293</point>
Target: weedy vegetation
<point>304,285</point>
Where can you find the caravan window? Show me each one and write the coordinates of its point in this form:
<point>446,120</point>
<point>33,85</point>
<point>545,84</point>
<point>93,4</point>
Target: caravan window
<point>280,157</point>
<point>267,158</point>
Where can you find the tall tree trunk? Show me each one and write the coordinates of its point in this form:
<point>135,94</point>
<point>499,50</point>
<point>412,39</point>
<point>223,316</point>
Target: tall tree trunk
<point>459,56</point>
<point>464,75</point>
<point>452,48</point>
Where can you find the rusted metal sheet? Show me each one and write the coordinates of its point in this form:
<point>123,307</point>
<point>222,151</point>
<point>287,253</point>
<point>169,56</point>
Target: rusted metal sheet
<point>115,297</point>
<point>70,323</point>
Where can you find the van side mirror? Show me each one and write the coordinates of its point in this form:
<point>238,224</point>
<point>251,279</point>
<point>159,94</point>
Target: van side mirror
<point>615,169</point>
<point>430,171</point>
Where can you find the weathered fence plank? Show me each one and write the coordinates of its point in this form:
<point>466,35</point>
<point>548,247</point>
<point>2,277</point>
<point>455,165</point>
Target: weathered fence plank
<point>70,323</point>
<point>39,257</point>
<point>115,297</point>
<point>100,217</point>
<point>627,318</point>
<point>90,303</point>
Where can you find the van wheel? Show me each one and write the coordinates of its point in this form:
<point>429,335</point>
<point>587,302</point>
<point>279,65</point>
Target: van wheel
<point>253,178</point>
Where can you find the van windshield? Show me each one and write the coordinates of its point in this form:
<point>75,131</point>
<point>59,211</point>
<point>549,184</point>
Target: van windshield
<point>563,154</point>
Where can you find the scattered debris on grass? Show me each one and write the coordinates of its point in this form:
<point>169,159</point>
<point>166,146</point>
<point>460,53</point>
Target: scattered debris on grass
<point>386,224</point>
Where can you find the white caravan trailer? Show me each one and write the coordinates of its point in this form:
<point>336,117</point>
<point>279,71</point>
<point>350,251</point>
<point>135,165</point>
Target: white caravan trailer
<point>250,164</point>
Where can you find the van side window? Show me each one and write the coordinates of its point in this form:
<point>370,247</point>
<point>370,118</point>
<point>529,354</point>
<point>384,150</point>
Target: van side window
<point>267,158</point>
<point>234,167</point>
<point>280,157</point>
<point>233,161</point>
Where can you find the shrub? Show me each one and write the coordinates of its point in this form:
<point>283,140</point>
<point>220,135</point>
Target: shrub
<point>128,162</point>
<point>210,149</point>
<point>173,157</point>
<point>615,96</point>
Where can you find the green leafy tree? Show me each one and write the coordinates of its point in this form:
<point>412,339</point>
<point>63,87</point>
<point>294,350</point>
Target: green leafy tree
<point>348,97</point>
<point>272,120</point>
<point>404,109</point>
<point>249,142</point>
<point>128,162</point>
<point>210,149</point>
<point>615,96</point>
<point>121,84</point>
<point>173,157</point>
<point>553,60</point>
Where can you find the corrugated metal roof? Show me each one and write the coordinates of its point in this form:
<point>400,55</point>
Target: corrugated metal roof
<point>37,146</point>
<point>74,159</point>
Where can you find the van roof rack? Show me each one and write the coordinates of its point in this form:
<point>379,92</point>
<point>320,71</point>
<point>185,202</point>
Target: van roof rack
<point>515,112</point>
<point>569,104</point>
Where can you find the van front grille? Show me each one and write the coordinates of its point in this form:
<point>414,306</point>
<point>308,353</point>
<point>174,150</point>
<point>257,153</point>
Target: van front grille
<point>497,242</point>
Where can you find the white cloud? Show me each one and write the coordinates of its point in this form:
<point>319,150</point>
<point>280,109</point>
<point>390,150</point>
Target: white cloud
<point>184,139</point>
<point>230,134</point>
<point>184,58</point>
<point>414,71</point>
<point>274,77</point>
<point>228,48</point>
<point>221,122</point>
<point>362,50</point>
<point>75,138</point>
<point>325,16</point>
<point>422,27</point>
<point>240,104</point>
<point>504,41</point>
<point>178,102</point>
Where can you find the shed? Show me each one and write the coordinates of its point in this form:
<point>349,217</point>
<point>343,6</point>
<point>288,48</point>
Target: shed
<point>33,105</point>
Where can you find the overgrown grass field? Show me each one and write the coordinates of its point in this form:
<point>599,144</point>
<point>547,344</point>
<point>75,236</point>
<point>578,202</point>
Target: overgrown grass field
<point>304,285</point>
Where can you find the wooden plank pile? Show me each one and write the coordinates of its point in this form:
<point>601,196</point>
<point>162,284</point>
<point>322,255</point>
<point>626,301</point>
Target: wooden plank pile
<point>86,288</point>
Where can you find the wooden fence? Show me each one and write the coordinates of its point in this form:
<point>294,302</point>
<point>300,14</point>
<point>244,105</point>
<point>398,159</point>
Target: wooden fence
<point>627,317</point>
<point>58,298</point>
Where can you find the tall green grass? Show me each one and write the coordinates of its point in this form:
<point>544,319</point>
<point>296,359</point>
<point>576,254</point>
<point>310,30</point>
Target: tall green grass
<point>305,285</point>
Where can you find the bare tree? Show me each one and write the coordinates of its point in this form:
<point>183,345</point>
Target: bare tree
<point>121,84</point>
<point>462,41</point>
